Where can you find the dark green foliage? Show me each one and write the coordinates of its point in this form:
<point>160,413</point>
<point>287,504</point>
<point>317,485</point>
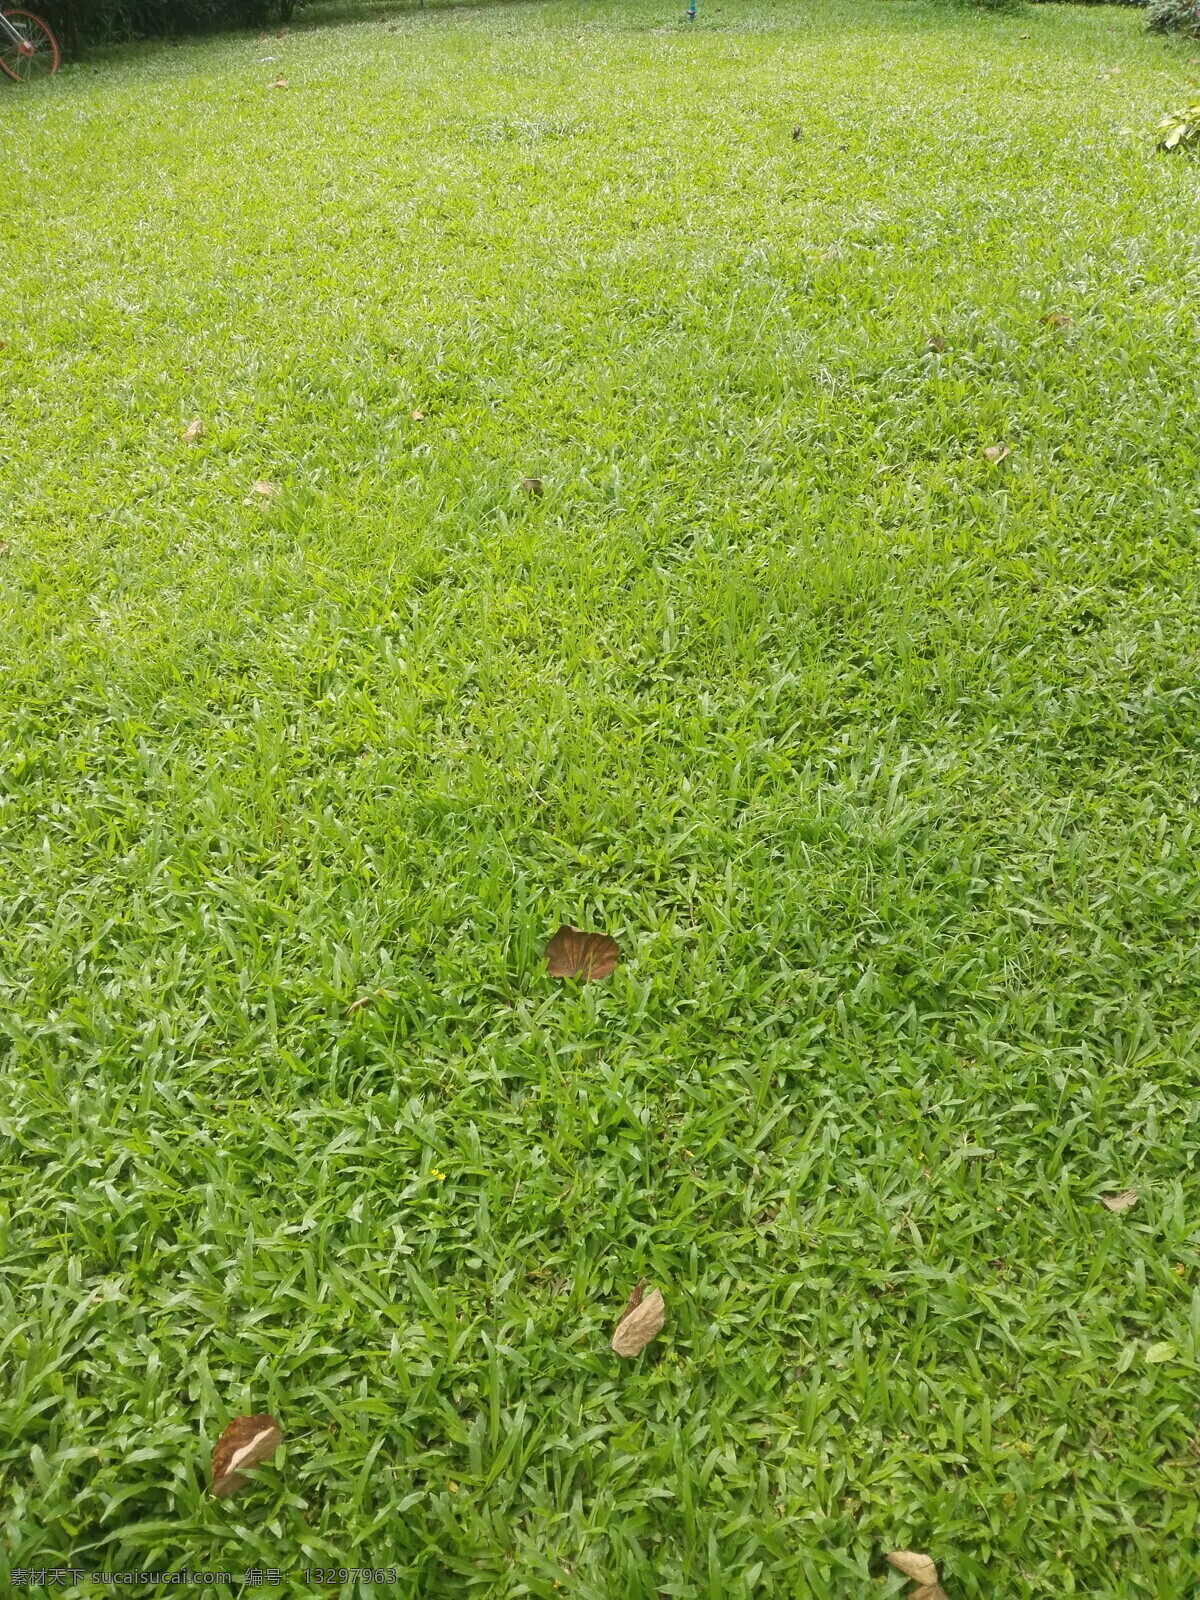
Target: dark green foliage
<point>81,22</point>
<point>1174,16</point>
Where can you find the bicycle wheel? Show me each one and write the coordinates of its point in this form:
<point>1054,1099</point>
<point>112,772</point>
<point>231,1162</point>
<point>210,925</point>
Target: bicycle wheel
<point>34,54</point>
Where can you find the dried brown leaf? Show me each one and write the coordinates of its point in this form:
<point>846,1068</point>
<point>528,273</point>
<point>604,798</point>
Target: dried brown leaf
<point>279,83</point>
<point>266,491</point>
<point>193,433</point>
<point>641,1322</point>
<point>418,416</point>
<point>997,452</point>
<point>533,486</point>
<point>1057,319</point>
<point>246,1442</point>
<point>920,1568</point>
<point>1120,1202</point>
<point>571,953</point>
<point>635,1299</point>
<point>929,1591</point>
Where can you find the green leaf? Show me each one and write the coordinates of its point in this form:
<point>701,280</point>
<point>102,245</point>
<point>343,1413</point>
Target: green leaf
<point>1158,1353</point>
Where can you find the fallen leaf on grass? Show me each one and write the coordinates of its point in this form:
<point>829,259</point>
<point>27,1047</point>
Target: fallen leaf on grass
<point>3,344</point>
<point>641,1321</point>
<point>533,486</point>
<point>921,1569</point>
<point>418,416</point>
<point>1120,1202</point>
<point>997,452</point>
<point>571,953</point>
<point>935,341</point>
<point>246,1442</point>
<point>193,433</point>
<point>1057,319</point>
<point>279,83</point>
<point>261,487</point>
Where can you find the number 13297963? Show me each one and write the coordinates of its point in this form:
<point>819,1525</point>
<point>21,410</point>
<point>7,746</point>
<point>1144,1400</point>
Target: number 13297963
<point>320,1576</point>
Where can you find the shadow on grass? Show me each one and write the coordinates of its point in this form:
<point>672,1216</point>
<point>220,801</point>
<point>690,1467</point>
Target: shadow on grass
<point>339,12</point>
<point>335,14</point>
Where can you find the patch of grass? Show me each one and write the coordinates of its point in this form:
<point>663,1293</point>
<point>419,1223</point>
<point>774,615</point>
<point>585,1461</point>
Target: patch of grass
<point>880,761</point>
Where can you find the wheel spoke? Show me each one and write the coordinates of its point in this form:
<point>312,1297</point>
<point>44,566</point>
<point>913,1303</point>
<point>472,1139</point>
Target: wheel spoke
<point>35,54</point>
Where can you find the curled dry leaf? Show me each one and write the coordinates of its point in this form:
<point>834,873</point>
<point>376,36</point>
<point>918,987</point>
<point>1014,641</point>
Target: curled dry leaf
<point>246,1442</point>
<point>997,452</point>
<point>193,433</point>
<point>266,490</point>
<point>920,1568</point>
<point>418,416</point>
<point>533,486</point>
<point>1120,1202</point>
<point>279,83</point>
<point>641,1321</point>
<point>571,953</point>
<point>923,1573</point>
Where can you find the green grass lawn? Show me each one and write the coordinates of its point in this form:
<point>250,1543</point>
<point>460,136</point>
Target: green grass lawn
<point>880,760</point>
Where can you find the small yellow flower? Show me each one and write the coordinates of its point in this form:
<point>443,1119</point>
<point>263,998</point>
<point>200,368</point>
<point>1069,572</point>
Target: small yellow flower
<point>440,1176</point>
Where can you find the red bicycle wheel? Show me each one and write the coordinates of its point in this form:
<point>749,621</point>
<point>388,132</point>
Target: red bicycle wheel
<point>31,51</point>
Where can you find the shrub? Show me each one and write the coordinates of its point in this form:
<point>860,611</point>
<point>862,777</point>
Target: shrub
<point>1174,16</point>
